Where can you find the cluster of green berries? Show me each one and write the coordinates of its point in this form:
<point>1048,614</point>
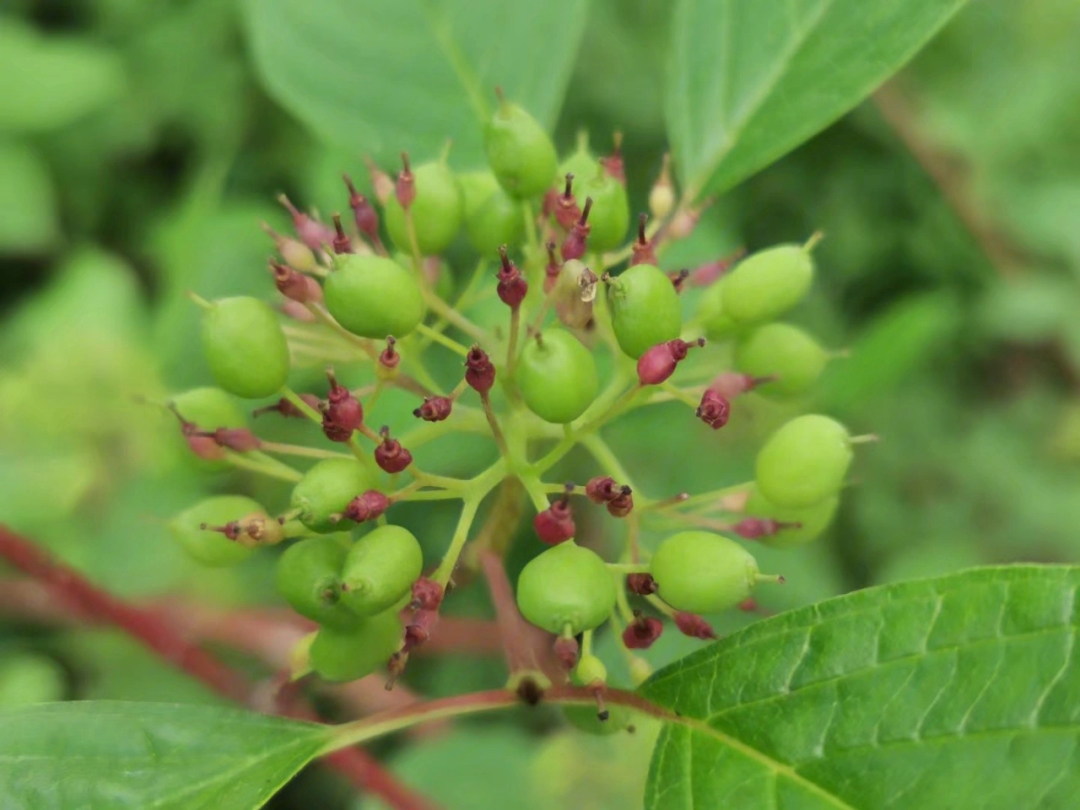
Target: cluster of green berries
<point>569,278</point>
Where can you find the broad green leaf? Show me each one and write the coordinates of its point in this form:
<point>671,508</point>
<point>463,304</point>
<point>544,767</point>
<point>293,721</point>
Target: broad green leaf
<point>148,756</point>
<point>748,80</point>
<point>962,691</point>
<point>380,77</point>
<point>28,215</point>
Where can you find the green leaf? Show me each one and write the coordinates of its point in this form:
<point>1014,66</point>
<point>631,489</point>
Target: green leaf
<point>749,81</point>
<point>28,215</point>
<point>962,691</point>
<point>148,756</point>
<point>381,77</point>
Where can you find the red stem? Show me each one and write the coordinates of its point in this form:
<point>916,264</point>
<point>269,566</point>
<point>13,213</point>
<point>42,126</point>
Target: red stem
<point>91,602</point>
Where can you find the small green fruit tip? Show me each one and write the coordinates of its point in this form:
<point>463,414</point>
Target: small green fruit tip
<point>198,299</point>
<point>813,241</point>
<point>865,438</point>
<point>776,579</point>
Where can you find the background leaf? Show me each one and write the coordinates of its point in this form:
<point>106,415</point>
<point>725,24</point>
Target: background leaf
<point>749,81</point>
<point>384,77</point>
<point>106,754</point>
<point>956,692</point>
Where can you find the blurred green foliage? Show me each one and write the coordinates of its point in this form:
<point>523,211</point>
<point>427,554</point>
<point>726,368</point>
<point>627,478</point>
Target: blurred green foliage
<point>139,152</point>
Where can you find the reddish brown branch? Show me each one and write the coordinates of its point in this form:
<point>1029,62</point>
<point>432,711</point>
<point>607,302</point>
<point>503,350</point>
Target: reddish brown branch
<point>94,604</point>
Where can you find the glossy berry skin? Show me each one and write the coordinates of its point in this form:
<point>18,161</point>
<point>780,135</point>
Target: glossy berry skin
<point>245,347</point>
<point>437,211</point>
<point>609,219</point>
<point>373,296</point>
<point>557,377</point>
<point>812,520</point>
<point>380,569</point>
<point>345,655</point>
<point>583,164</point>
<point>209,409</point>
<point>703,572</point>
<point>566,586</point>
<point>645,309</point>
<point>308,575</point>
<point>804,462</point>
<point>784,351</point>
<point>714,317</point>
<point>519,151</point>
<point>326,490</point>
<point>492,217</point>
<point>209,547</point>
<point>767,284</point>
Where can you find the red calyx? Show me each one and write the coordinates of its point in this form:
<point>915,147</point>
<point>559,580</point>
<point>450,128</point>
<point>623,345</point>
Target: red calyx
<point>711,272</point>
<point>200,442</point>
<point>341,243</point>
<point>389,357</point>
<point>642,632</point>
<point>752,528</point>
<point>239,440</point>
<point>748,605</point>
<point>427,594</point>
<point>552,269</point>
<point>643,251</point>
<point>367,506</point>
<point>641,584</point>
<point>551,198</point>
<point>420,629</point>
<point>479,370</point>
<point>364,213</point>
<point>512,285</point>
<point>566,650</point>
<point>601,489</point>
<point>566,208</point>
<point>231,530</point>
<point>690,624</point>
<point>678,279</point>
<point>659,362</point>
<point>390,455</point>
<point>434,409</point>
<point>714,409</point>
<point>343,409</point>
<point>556,523</point>
<point>313,234</point>
<point>286,408</point>
<point>613,164</point>
<point>573,247</point>
<point>622,504</point>
<point>730,384</point>
<point>406,184</point>
<point>295,285</point>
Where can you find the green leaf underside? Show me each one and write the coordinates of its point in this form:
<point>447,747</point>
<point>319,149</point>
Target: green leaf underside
<point>957,692</point>
<point>381,77</point>
<point>748,81</point>
<point>103,755</point>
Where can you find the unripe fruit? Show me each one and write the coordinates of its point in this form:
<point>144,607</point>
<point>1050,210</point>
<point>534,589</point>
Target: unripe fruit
<point>373,296</point>
<point>308,575</point>
<point>210,547</point>
<point>609,219</point>
<point>245,347</point>
<point>345,655</point>
<point>27,678</point>
<point>702,572</point>
<point>557,377</point>
<point>767,284</point>
<point>325,491</point>
<point>811,520</point>
<point>590,670</point>
<point>380,569</point>
<point>804,462</point>
<point>783,351</point>
<point>492,217</point>
<point>437,211</point>
<point>566,587</point>
<point>582,163</point>
<point>712,314</point>
<point>645,309</point>
<point>519,151</point>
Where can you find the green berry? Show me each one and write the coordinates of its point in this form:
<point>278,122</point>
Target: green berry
<point>557,377</point>
<point>326,489</point>
<point>702,572</point>
<point>768,284</point>
<point>373,296</point>
<point>609,217</point>
<point>784,351</point>
<point>519,151</point>
<point>714,318</point>
<point>345,655</point>
<point>27,678</point>
<point>245,347</point>
<point>813,520</point>
<point>380,569</point>
<point>566,587</point>
<point>645,309</point>
<point>205,545</point>
<point>492,217</point>
<point>589,670</point>
<point>444,278</point>
<point>583,164</point>
<point>804,462</point>
<point>436,211</point>
<point>309,577</point>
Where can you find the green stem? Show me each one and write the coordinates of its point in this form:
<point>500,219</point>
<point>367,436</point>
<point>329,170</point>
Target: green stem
<point>457,542</point>
<point>439,337</point>
<point>629,568</point>
<point>300,450</point>
<point>607,459</point>
<point>284,474</point>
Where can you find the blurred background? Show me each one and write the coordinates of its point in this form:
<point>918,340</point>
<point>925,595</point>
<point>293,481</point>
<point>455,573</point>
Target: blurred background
<point>140,150</point>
